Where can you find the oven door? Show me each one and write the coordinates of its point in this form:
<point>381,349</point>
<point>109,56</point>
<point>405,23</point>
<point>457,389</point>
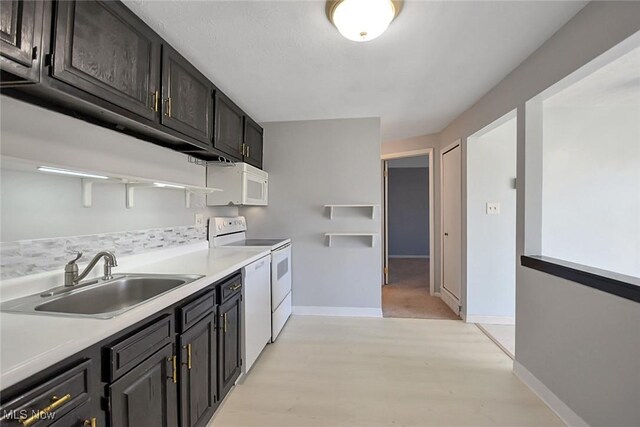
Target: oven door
<point>280,276</point>
<point>255,189</point>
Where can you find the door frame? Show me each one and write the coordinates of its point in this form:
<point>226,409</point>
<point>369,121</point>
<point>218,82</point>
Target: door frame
<point>385,247</point>
<point>447,296</point>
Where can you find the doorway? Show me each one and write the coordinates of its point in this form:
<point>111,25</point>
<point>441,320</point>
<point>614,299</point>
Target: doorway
<point>491,231</point>
<point>408,222</point>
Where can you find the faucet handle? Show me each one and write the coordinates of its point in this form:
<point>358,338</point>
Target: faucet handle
<point>78,256</point>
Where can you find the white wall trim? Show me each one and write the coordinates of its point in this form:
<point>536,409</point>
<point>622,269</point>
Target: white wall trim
<point>337,311</point>
<point>491,320</point>
<point>412,153</point>
<point>565,413</point>
<point>409,256</point>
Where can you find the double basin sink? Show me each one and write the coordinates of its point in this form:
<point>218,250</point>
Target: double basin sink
<point>99,298</point>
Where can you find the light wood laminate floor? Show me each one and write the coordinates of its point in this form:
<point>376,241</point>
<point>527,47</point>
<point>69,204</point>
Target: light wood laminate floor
<point>340,371</point>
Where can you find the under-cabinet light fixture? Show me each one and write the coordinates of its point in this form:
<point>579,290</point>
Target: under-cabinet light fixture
<point>160,184</point>
<point>70,172</point>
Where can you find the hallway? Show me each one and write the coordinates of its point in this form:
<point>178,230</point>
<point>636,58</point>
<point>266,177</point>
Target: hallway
<point>368,372</point>
<point>407,294</point>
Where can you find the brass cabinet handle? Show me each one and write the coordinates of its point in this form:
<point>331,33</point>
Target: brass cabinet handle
<point>93,422</point>
<point>236,287</point>
<point>225,323</point>
<point>242,147</point>
<point>188,348</point>
<point>247,151</point>
<point>57,402</point>
<point>156,100</point>
<point>174,374</point>
<point>168,107</point>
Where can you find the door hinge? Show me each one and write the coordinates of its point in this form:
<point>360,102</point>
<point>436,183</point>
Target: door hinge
<point>385,173</point>
<point>386,270</point>
<point>34,53</point>
<point>48,59</point>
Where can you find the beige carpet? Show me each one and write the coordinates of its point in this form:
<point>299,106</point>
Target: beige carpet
<point>407,294</point>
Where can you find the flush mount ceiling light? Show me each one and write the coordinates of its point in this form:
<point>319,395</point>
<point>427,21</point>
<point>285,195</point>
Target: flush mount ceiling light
<point>362,20</point>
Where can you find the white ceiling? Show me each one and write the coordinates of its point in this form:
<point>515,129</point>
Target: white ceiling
<point>283,60</point>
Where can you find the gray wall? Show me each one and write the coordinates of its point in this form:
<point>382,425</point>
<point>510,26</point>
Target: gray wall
<point>310,164</point>
<point>38,205</point>
<point>408,209</point>
<point>491,239</point>
<point>582,344</point>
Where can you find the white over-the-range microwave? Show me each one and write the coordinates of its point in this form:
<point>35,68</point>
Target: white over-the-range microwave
<point>242,184</point>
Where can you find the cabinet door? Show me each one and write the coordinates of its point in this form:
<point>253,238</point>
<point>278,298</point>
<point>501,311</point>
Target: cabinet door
<point>186,94</point>
<point>146,396</point>
<point>20,37</point>
<point>227,135</point>
<point>229,344</point>
<point>252,143</point>
<point>199,376</point>
<point>104,49</point>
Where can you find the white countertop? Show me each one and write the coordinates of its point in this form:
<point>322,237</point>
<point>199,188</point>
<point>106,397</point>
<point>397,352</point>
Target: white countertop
<point>30,343</point>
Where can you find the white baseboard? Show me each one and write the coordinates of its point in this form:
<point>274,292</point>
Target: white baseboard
<point>450,300</point>
<point>409,256</point>
<point>491,320</point>
<point>565,413</point>
<point>337,311</point>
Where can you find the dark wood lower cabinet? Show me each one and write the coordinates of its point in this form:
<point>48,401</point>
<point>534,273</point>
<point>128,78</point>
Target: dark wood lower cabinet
<point>198,373</point>
<point>146,396</point>
<point>229,335</point>
<point>156,373</point>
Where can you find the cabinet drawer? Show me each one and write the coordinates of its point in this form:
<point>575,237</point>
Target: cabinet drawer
<point>51,400</point>
<point>79,417</point>
<point>129,352</point>
<point>194,311</point>
<point>229,288</point>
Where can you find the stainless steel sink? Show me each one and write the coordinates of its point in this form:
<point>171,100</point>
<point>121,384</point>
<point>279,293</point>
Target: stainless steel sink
<point>98,298</point>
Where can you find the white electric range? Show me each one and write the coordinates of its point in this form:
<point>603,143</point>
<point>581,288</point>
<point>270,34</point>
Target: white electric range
<point>230,232</point>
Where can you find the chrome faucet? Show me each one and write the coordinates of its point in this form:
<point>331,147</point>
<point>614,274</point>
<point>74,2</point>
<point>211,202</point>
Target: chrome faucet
<point>71,276</point>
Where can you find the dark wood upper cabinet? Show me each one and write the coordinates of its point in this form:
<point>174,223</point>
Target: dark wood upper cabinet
<point>20,40</point>
<point>227,136</point>
<point>229,341</point>
<point>198,373</point>
<point>146,396</point>
<point>104,49</point>
<point>186,96</point>
<point>252,143</point>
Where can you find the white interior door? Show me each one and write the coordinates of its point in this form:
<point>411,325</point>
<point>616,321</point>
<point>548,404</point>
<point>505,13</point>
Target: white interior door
<point>385,196</point>
<point>451,221</point>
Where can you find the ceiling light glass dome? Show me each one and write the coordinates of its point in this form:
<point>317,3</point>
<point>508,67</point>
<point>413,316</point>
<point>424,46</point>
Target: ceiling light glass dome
<point>362,20</point>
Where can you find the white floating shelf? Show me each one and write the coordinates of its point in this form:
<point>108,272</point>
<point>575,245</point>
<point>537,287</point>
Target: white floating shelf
<point>332,208</point>
<point>372,236</point>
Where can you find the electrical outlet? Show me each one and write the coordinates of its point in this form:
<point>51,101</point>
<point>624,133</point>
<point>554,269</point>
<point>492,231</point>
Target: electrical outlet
<point>493,208</point>
<point>199,220</point>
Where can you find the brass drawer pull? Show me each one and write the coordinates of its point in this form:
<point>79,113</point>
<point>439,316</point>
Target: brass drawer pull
<point>57,402</point>
<point>93,422</point>
<point>236,287</point>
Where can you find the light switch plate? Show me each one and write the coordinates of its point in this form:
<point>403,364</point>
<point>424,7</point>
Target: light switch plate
<point>493,208</point>
<point>199,220</point>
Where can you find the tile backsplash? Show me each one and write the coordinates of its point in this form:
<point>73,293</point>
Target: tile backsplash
<point>23,257</point>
